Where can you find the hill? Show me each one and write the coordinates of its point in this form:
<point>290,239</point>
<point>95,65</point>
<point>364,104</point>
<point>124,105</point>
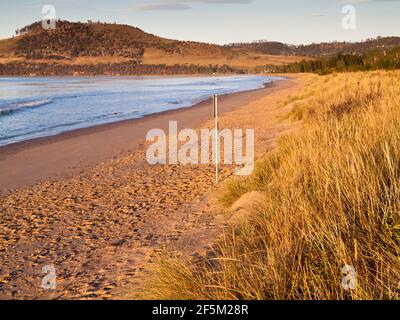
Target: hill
<point>119,49</point>
<point>72,40</point>
<point>320,49</point>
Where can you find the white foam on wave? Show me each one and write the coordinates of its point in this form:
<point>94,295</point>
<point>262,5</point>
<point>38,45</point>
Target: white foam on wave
<point>19,106</point>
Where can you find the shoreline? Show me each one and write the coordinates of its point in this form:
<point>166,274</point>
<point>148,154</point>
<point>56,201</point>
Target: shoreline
<point>196,104</point>
<point>141,75</point>
<point>26,163</point>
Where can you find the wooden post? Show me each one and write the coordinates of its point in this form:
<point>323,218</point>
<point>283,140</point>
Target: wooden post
<point>216,138</point>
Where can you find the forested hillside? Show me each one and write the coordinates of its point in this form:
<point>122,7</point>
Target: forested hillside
<point>321,49</point>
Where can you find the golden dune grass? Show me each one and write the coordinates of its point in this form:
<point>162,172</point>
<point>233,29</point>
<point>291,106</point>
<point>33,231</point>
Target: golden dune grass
<point>332,198</point>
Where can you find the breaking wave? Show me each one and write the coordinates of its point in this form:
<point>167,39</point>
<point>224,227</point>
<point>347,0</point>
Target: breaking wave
<point>20,106</point>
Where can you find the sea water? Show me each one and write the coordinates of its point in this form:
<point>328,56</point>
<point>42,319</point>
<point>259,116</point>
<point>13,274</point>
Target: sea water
<point>39,107</point>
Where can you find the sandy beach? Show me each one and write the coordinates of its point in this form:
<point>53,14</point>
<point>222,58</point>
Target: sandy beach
<point>88,202</point>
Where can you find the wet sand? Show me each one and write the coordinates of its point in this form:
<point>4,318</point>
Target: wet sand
<point>88,202</point>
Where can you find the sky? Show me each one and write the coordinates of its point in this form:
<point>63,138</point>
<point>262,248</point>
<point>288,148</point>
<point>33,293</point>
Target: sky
<point>221,21</point>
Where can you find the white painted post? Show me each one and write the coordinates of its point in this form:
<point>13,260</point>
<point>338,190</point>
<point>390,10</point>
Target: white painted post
<point>216,138</point>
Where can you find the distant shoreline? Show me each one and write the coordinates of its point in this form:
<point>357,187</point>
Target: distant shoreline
<point>149,75</point>
<point>31,161</point>
<point>41,69</point>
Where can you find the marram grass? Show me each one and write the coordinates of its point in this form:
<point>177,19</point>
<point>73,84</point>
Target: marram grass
<point>332,198</point>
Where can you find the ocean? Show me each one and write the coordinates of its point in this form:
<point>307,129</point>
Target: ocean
<point>40,107</point>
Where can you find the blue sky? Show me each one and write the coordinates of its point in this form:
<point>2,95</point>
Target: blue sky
<point>220,21</point>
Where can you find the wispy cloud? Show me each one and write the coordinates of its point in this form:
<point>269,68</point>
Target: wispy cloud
<point>317,15</point>
<point>57,4</point>
<point>161,6</point>
<point>182,4</point>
